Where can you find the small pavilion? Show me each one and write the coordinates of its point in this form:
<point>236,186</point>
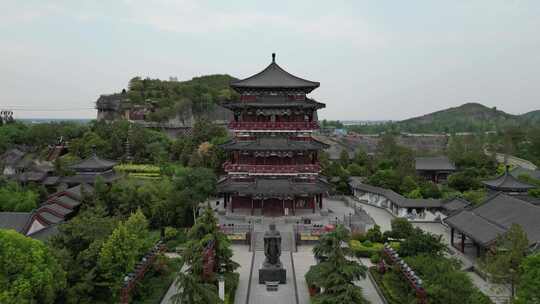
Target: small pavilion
<point>508,184</point>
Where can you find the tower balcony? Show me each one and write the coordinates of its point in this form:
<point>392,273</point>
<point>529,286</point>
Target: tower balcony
<point>272,169</point>
<point>283,126</point>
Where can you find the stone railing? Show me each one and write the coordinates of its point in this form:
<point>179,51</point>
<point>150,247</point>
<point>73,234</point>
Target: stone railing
<point>274,126</point>
<point>262,169</point>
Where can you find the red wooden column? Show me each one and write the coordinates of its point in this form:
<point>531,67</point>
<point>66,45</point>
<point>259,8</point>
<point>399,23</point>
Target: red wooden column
<point>462,243</point>
<point>251,205</point>
<point>314,204</point>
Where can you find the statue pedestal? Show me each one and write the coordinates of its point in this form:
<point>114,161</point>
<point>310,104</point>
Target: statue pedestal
<point>272,274</point>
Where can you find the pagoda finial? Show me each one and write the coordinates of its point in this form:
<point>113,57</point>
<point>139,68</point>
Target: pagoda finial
<point>273,57</point>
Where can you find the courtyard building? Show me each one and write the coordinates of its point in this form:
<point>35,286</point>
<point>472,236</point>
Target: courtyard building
<point>477,228</point>
<point>425,210</point>
<point>435,169</point>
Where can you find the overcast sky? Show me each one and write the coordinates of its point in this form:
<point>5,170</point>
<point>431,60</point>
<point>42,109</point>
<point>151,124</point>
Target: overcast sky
<point>375,59</point>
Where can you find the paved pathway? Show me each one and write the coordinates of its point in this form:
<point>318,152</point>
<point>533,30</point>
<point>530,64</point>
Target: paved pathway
<point>379,215</point>
<point>242,256</point>
<point>369,291</point>
<point>303,259</point>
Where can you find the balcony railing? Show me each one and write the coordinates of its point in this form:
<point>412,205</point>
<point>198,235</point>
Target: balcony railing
<point>282,125</point>
<point>272,169</point>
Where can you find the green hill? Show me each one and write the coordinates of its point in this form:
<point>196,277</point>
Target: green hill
<point>469,117</point>
<point>532,117</point>
<point>170,97</point>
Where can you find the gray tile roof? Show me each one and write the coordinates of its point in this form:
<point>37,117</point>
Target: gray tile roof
<point>274,144</point>
<point>58,209</point>
<point>50,218</point>
<point>507,182</point>
<point>495,216</point>
<point>94,163</point>
<point>394,197</point>
<point>14,220</point>
<point>273,76</point>
<point>45,234</point>
<point>67,201</point>
<point>12,157</point>
<point>108,176</point>
<point>456,203</point>
<point>79,189</point>
<point>272,186</point>
<point>274,102</point>
<point>438,163</point>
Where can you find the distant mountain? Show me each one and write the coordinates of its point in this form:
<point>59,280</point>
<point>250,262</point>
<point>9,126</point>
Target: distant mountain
<point>469,117</point>
<point>532,117</point>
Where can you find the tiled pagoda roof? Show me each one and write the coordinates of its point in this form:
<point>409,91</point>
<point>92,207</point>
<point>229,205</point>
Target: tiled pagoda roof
<point>94,163</point>
<point>507,183</point>
<point>274,77</point>
<point>273,144</point>
<point>272,187</point>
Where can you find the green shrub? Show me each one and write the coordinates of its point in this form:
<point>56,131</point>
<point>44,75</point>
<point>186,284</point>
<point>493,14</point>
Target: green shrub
<point>375,258</point>
<point>170,233</point>
<point>374,234</point>
<point>362,251</point>
<point>367,243</point>
<point>231,283</point>
<point>358,236</point>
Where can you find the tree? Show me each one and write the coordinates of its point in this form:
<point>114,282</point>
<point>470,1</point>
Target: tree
<point>356,170</point>
<point>121,251</point>
<point>206,229</point>
<point>503,263</point>
<point>463,181</point>
<point>430,190</point>
<point>386,179</point>
<point>194,291</point>
<point>29,271</point>
<point>193,186</point>
<point>401,228</point>
<point>529,286</point>
<point>374,234</point>
<point>408,184</point>
<point>361,158</point>
<point>443,280</point>
<point>337,273</point>
<point>77,247</point>
<point>14,197</point>
<point>420,242</point>
<point>193,286</point>
<point>475,196</point>
<point>344,158</point>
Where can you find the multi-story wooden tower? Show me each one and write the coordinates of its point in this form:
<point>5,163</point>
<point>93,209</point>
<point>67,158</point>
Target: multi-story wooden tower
<point>273,166</point>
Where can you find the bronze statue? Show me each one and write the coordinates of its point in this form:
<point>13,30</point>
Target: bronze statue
<point>272,246</point>
<point>272,270</point>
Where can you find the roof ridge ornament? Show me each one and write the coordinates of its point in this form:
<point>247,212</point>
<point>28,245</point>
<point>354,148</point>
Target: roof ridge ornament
<point>273,57</point>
